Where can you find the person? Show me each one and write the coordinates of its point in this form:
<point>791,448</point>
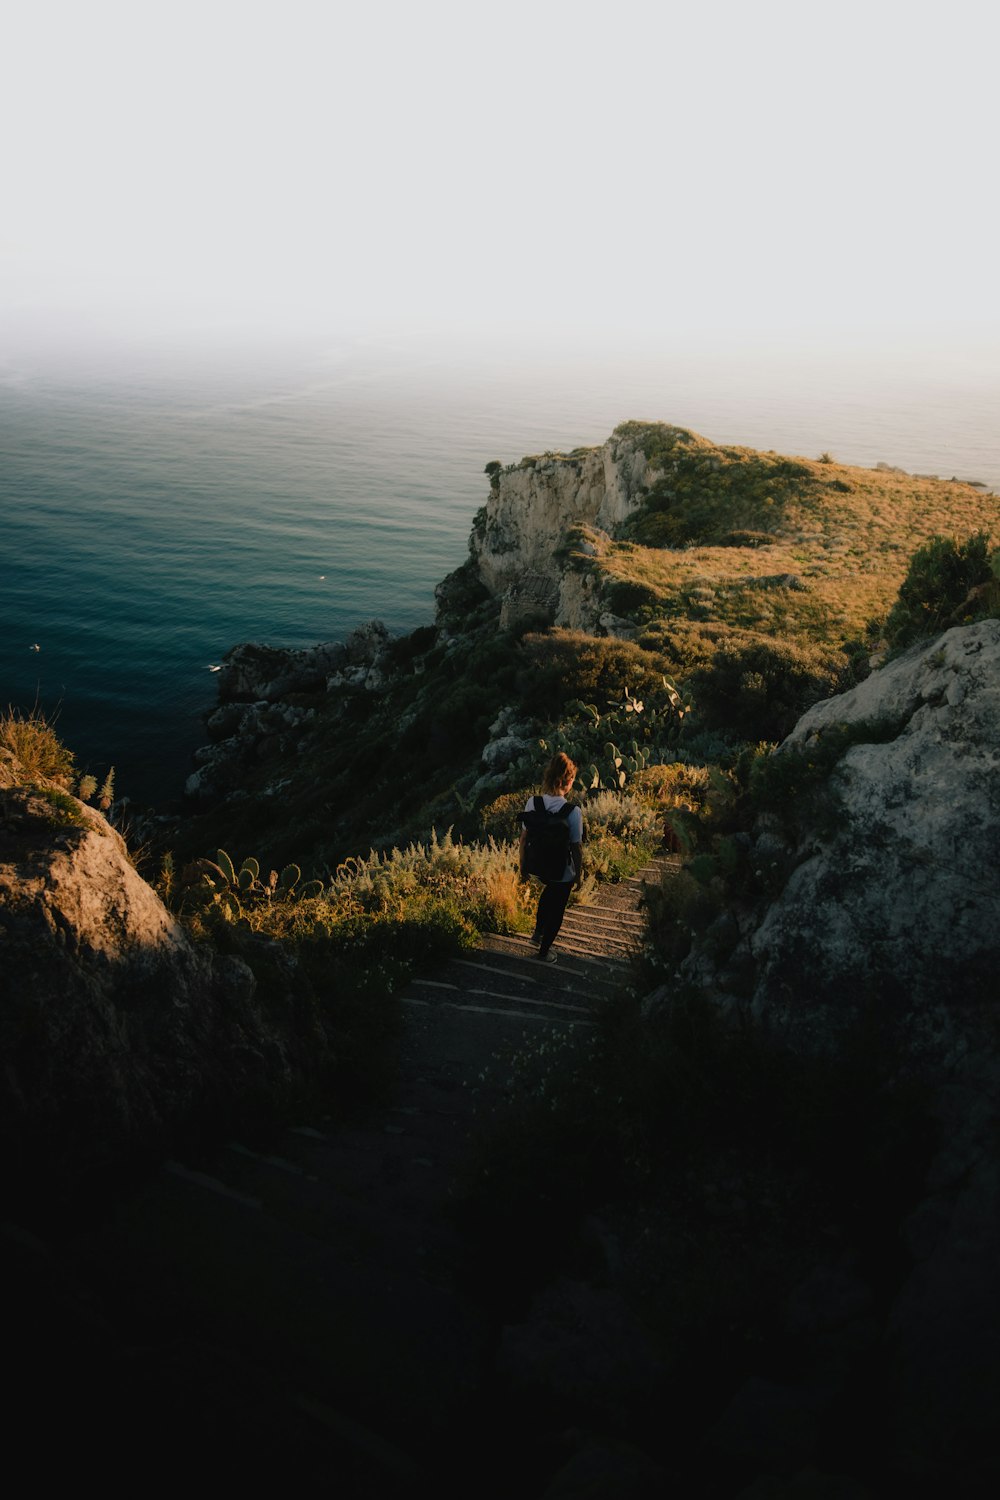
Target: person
<point>557,782</point>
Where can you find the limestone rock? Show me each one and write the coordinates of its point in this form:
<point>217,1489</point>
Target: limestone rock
<point>114,1027</point>
<point>534,514</point>
<point>500,753</point>
<point>621,629</point>
<point>902,897</point>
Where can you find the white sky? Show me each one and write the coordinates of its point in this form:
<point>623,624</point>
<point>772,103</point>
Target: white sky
<point>283,166</point>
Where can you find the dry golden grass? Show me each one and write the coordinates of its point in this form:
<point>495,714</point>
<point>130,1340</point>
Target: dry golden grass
<point>846,534</point>
<point>30,751</point>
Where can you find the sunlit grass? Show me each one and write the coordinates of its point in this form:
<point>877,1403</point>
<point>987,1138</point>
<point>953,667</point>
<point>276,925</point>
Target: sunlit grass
<point>845,541</point>
<point>30,750</point>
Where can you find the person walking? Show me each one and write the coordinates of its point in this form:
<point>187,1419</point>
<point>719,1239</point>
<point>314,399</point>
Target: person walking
<point>550,820</point>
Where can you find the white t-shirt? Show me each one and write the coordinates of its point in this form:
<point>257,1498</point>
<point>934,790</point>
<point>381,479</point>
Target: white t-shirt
<point>574,824</point>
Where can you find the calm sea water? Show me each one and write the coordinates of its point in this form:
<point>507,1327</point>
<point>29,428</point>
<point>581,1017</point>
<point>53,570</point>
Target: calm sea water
<point>153,518</point>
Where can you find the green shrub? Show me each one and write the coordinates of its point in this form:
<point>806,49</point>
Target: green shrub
<point>707,493</point>
<point>623,597</point>
<point>404,651</point>
<point>721,1158</point>
<point>948,583</point>
<point>501,818</point>
<point>676,912</point>
<point>476,885</point>
<point>64,810</point>
<point>563,665</point>
<point>759,689</point>
<point>745,539</point>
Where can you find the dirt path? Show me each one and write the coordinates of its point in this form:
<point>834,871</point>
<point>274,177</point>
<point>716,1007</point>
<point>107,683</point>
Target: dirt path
<point>316,1299</point>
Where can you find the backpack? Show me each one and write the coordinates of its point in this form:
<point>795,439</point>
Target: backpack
<point>547,851</point>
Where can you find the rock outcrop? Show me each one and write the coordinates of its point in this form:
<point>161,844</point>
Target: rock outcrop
<point>116,1030</point>
<point>543,510</point>
<point>268,696</point>
<point>899,897</point>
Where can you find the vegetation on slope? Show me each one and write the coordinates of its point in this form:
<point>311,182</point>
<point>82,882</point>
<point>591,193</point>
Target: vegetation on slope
<point>732,547</point>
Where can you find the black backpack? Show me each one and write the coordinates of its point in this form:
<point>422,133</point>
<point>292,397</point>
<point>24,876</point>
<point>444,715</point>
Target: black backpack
<point>547,852</point>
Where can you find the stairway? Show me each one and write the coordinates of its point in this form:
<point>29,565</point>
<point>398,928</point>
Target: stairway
<point>316,1295</point>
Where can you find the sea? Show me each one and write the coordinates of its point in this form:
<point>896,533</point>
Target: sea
<point>154,512</point>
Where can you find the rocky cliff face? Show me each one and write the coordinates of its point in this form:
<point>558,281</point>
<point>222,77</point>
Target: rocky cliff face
<point>115,1029</point>
<point>541,510</point>
<point>897,894</point>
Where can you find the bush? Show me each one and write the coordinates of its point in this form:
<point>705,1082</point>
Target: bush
<point>948,583</point>
<point>501,818</point>
<point>624,597</point>
<point>563,665</point>
<point>708,493</point>
<point>759,690</point>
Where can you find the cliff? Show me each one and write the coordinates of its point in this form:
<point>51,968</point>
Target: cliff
<point>660,533</point>
<point>541,509</point>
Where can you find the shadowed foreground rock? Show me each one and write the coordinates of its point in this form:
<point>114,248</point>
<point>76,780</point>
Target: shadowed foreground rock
<point>903,892</point>
<point>116,1030</point>
<point>888,928</point>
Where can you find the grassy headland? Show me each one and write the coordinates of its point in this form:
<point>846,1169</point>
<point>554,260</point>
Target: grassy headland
<point>759,583</point>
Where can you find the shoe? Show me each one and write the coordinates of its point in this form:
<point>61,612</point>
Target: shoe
<point>536,937</point>
<point>547,958</point>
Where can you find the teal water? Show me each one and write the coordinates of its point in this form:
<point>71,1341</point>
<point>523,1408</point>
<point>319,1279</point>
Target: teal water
<point>153,518</point>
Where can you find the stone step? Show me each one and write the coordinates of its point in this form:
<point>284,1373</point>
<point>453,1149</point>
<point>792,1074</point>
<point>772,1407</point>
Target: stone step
<point>608,916</point>
<point>577,971</point>
<point>615,939</point>
<point>449,991</point>
<point>582,961</point>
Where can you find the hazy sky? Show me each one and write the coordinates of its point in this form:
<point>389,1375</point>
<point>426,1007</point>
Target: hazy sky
<point>273,165</point>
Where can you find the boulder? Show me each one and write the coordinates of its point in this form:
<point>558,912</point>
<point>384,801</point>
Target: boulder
<point>899,897</point>
<point>500,753</point>
<point>252,672</point>
<point>115,1029</point>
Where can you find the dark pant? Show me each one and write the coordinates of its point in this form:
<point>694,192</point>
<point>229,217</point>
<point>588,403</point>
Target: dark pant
<point>551,907</point>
